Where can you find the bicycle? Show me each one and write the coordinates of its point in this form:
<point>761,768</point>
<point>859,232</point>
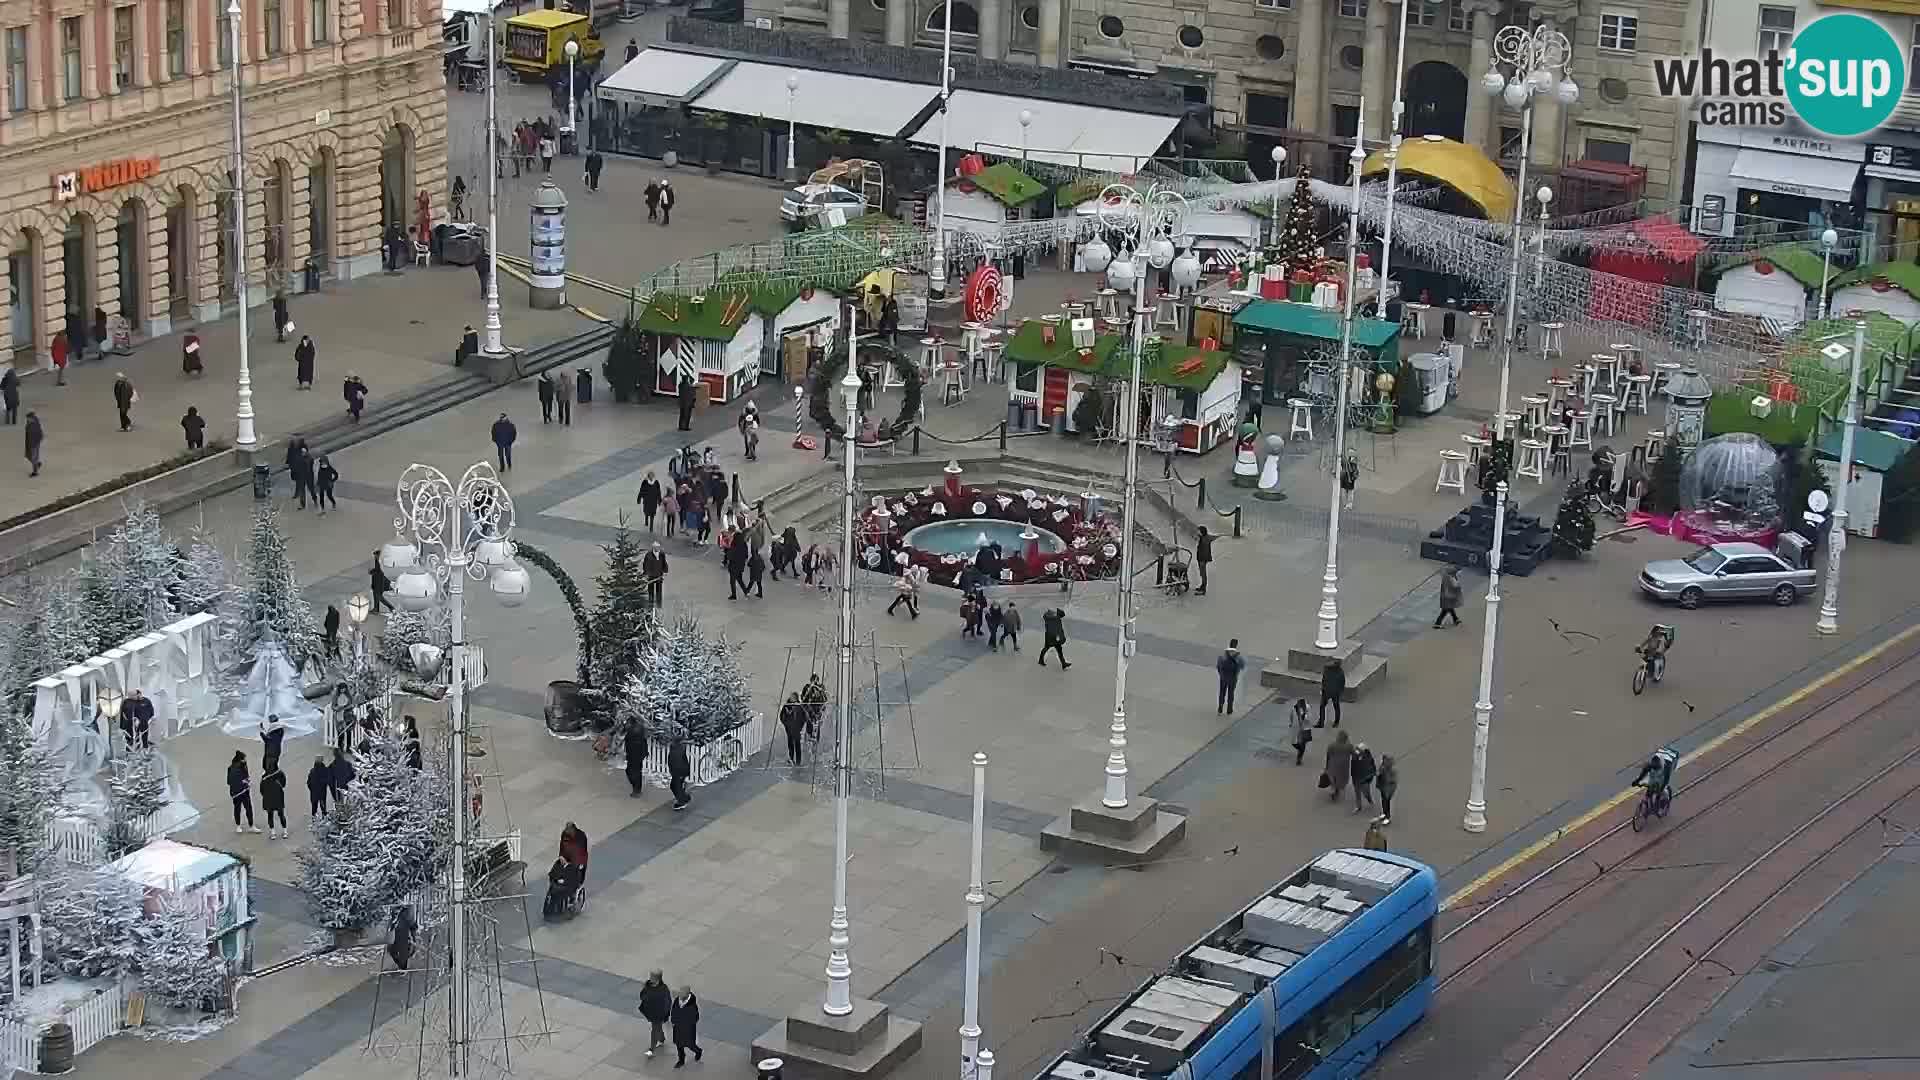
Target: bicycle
<point>1651,667</point>
<point>1650,806</point>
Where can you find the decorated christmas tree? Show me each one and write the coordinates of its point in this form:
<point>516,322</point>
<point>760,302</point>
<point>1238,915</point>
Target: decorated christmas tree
<point>1496,466</point>
<point>689,683</point>
<point>1573,526</point>
<point>270,604</point>
<point>91,917</point>
<point>130,580</point>
<point>178,967</point>
<point>1663,487</point>
<point>623,614</point>
<point>384,841</point>
<point>1298,240</point>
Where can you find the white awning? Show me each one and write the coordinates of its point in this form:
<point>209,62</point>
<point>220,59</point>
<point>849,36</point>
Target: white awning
<point>822,99</point>
<point>1796,174</point>
<point>1103,140</point>
<point>1894,172</point>
<point>450,8</point>
<point>661,77</point>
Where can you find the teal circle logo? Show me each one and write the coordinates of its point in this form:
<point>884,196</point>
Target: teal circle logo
<point>1845,75</point>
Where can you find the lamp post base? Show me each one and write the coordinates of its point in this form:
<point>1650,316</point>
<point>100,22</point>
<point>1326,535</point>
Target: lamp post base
<point>869,1042</point>
<point>1137,832</point>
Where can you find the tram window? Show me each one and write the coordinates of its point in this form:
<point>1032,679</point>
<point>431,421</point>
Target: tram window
<point>1366,995</point>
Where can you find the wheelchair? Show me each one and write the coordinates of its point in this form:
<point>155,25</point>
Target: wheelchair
<point>565,899</point>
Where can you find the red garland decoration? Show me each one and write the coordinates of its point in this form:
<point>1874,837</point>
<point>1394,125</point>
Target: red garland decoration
<point>1763,266</point>
<point>1881,284</point>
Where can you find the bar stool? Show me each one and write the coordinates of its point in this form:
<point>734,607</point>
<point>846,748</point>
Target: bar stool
<point>1603,406</point>
<point>1607,369</point>
<point>1627,352</point>
<point>1555,436</point>
<point>1656,444</point>
<point>1550,343</point>
<point>1533,460</point>
<point>1511,421</point>
<point>1074,309</point>
<point>1483,329</point>
<point>1453,472</point>
<point>1475,444</point>
<point>1109,300</point>
<point>1301,420</point>
<point>930,348</point>
<point>1635,399</point>
<point>1169,313</point>
<point>1413,319</point>
<point>1536,411</point>
<point>994,355</point>
<point>1588,374</point>
<point>1663,372</point>
<point>953,386</point>
<point>1580,429</point>
<point>1559,388</point>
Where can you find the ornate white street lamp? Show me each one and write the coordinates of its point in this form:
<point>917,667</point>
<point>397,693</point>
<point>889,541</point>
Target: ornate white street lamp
<point>793,88</point>
<point>1026,121</point>
<point>1829,621</point>
<point>455,532</point>
<point>490,344</point>
<point>1327,636</point>
<point>1393,156</point>
<point>1148,221</point>
<point>937,274</point>
<point>1828,238</point>
<point>243,437</point>
<point>970,1053</point>
<point>573,53</point>
<point>839,1000</point>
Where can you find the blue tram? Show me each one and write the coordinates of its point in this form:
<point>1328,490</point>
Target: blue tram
<point>1309,982</point>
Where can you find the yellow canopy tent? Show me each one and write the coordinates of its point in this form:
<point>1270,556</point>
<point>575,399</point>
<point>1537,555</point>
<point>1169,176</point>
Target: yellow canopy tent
<point>1457,165</point>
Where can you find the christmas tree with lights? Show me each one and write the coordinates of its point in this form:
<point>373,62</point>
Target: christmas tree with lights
<point>1298,240</point>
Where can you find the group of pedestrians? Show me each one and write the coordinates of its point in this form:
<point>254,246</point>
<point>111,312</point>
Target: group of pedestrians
<point>311,475</point>
<point>637,744</point>
<point>666,1010</point>
<point>555,395</point>
<point>660,200</point>
<point>800,715</point>
<point>533,139</point>
<point>325,780</point>
<point>1350,762</point>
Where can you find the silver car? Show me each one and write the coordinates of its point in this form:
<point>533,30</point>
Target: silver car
<point>809,205</point>
<point>1738,571</point>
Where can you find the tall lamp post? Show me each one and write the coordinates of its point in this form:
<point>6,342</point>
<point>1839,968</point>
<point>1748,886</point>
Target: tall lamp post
<point>1148,221</point>
<point>1327,637</point>
<point>839,1000</point>
<point>573,54</point>
<point>1393,155</point>
<point>1279,163</point>
<point>976,904</point>
<point>243,437</point>
<point>937,275</point>
<point>1828,238</point>
<point>491,346</point>
<point>1829,621</point>
<point>445,534</point>
<point>1026,121</point>
<point>793,88</point>
<point>1545,195</point>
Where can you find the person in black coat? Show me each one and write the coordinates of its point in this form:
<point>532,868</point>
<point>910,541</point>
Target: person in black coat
<point>1229,666</point>
<point>414,759</point>
<point>679,767</point>
<point>756,572</point>
<point>123,400</point>
<point>273,798</point>
<point>649,498</point>
<point>1202,557</point>
<point>686,1021</point>
<point>468,348</point>
<point>136,720</point>
<point>355,393</point>
<point>319,782</point>
<point>324,477</point>
<point>35,436</point>
<point>653,567</point>
<point>300,465</point>
<point>195,427</point>
<point>793,719</point>
<point>272,734</point>
<point>544,387</point>
<point>636,748</point>
<point>330,631</point>
<point>686,403</point>
<point>736,560</point>
<point>1054,621</point>
<point>1333,683</point>
<point>666,202</point>
<point>10,394</point>
<point>303,357</point>
<point>656,1007</point>
<point>240,789</point>
<point>503,436</point>
<point>339,775</point>
<point>379,585</point>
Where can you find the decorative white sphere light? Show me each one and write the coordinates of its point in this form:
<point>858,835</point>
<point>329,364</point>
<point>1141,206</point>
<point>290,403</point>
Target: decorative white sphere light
<point>573,48</point>
<point>1160,252</point>
<point>1545,195</point>
<point>1120,275</point>
<point>1493,82</point>
<point>417,589</point>
<point>1026,117</point>
<point>1828,239</point>
<point>108,701</point>
<point>1279,154</point>
<point>1096,255</point>
<point>511,584</point>
<point>1568,92</point>
<point>492,552</point>
<point>1542,79</point>
<point>397,557</point>
<point>426,658</point>
<point>1186,270</point>
<point>1515,95</point>
<point>793,83</point>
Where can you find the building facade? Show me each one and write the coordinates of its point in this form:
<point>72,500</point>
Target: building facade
<point>116,188</point>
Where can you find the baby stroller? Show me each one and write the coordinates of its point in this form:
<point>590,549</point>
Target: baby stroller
<point>1175,582</point>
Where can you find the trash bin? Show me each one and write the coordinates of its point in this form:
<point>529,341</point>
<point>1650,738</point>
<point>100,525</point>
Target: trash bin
<point>1013,415</point>
<point>262,482</point>
<point>1059,419</point>
<point>768,1068</point>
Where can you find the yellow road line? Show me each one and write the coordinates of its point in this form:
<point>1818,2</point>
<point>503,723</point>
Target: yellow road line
<point>1613,803</point>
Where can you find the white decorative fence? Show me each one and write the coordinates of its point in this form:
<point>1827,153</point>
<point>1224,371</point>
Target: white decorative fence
<point>98,1017</point>
<point>714,760</point>
<point>82,842</point>
<point>19,1046</point>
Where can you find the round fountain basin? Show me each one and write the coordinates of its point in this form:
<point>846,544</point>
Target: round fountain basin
<point>962,537</point>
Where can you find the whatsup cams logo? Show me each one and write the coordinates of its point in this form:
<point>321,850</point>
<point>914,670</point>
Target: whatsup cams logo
<point>1841,76</point>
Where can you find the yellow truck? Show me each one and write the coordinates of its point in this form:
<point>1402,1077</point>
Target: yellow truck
<point>537,44</point>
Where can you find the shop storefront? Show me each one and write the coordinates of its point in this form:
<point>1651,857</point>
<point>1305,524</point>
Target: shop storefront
<point>1893,201</point>
<point>1748,178</point>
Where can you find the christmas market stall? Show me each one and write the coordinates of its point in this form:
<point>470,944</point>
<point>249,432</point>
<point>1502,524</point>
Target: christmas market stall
<point>209,888</point>
<point>1772,283</point>
<point>1295,348</point>
<point>713,339</point>
<point>1875,454</point>
<point>984,198</point>
<point>1891,288</point>
<point>1190,396</point>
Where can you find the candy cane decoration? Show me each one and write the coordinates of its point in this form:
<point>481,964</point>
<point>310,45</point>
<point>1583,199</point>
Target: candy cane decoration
<point>799,417</point>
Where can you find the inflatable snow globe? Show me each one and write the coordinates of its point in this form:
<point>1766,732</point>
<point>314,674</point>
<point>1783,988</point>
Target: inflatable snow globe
<point>1728,489</point>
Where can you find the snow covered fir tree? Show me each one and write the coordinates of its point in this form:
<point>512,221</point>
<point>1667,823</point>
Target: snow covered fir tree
<point>383,842</point>
<point>623,617</point>
<point>1573,526</point>
<point>92,919</point>
<point>269,603</point>
<point>177,967</point>
<point>136,790</point>
<point>688,684</point>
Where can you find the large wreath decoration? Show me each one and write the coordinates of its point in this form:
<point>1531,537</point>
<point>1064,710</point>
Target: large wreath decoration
<point>826,387</point>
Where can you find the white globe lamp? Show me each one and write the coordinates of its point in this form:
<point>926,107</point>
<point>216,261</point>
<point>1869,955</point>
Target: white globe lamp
<point>1186,271</point>
<point>1515,95</point>
<point>493,552</point>
<point>1828,240</point>
<point>1568,92</point>
<point>511,584</point>
<point>1545,195</point>
<point>1542,80</point>
<point>397,557</point>
<point>1096,255</point>
<point>1279,156</point>
<point>417,589</point>
<point>1493,83</point>
<point>1120,275</point>
<point>1160,252</point>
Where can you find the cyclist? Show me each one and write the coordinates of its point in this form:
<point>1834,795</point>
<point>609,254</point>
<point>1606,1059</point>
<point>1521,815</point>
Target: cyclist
<point>1657,775</point>
<point>1654,651</point>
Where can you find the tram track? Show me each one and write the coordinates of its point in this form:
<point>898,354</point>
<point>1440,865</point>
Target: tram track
<point>1694,959</point>
<point>1848,700</point>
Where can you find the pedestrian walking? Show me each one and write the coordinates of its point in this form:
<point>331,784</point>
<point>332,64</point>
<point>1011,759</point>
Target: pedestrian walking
<point>190,355</point>
<point>273,798</point>
<point>544,385</point>
<point>666,203</point>
<point>57,352</point>
<point>752,438</point>
<point>324,477</point>
<point>240,790</point>
<point>686,1026</point>
<point>1363,771</point>
<point>670,505</point>
<point>1010,626</point>
<point>330,632</point>
<point>503,435</point>
<point>756,572</point>
<point>1338,768</point>
<point>136,720</point>
<point>282,322</point>
<point>653,203</point>
<point>793,720</point>
<point>299,469</point>
<point>1349,478</point>
<point>35,436</point>
<point>319,782</point>
<point>303,359</point>
<point>636,763</point>
<point>786,551</point>
<point>970,616</point>
<point>1202,557</point>
<point>1228,667</point>
<point>679,767</point>
<point>195,427</point>
<point>594,164</point>
<point>809,564</point>
<point>340,774</point>
<point>1387,782</point>
<point>547,149</point>
<point>656,1008</point>
<point>1055,637</point>
<point>1302,731</point>
<point>378,583</point>
<point>1376,838</point>
<point>10,394</point>
<point>906,591</point>
<point>653,567</point>
<point>686,402</point>
<point>735,558</point>
<point>996,620</point>
<point>1449,596</point>
<point>355,393</point>
<point>1333,684</point>
<point>124,395</point>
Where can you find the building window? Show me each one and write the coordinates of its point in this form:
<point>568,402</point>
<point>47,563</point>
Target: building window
<point>1276,5</point>
<point>1509,144</point>
<point>17,70</point>
<point>1776,30</point>
<point>1352,57</point>
<point>1430,12</point>
<point>1030,17</point>
<point>1191,37</point>
<point>1456,17</point>
<point>1270,47</point>
<point>1913,53</point>
<point>1268,110</point>
<point>271,27</point>
<point>1619,31</point>
<point>1612,151</point>
<point>223,33</point>
<point>966,20</point>
<point>176,38</point>
<point>1353,9</point>
<point>123,55</point>
<point>1346,121</point>
<point>317,19</point>
<point>396,14</point>
<point>72,72</point>
<point>1111,27</point>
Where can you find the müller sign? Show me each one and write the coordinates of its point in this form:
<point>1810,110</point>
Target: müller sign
<point>112,174</point>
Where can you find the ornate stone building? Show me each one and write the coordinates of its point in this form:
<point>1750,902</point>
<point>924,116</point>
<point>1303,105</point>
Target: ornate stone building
<point>1277,69</point>
<point>116,147</point>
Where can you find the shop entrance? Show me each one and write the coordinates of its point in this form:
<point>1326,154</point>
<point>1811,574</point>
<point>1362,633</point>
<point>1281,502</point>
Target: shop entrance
<point>320,211</point>
<point>23,296</point>
<point>76,253</point>
<point>396,177</point>
<point>180,255</point>
<point>130,245</point>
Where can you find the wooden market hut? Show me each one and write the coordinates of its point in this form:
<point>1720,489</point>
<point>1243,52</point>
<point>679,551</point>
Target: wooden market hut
<point>1772,283</point>
<point>1891,288</point>
<point>1278,341</point>
<point>1193,391</point>
<point>712,338</point>
<point>984,200</point>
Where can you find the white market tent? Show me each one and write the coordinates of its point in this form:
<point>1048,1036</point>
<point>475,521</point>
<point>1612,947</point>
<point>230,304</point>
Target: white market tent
<point>823,99</point>
<point>1084,136</point>
<point>662,78</point>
